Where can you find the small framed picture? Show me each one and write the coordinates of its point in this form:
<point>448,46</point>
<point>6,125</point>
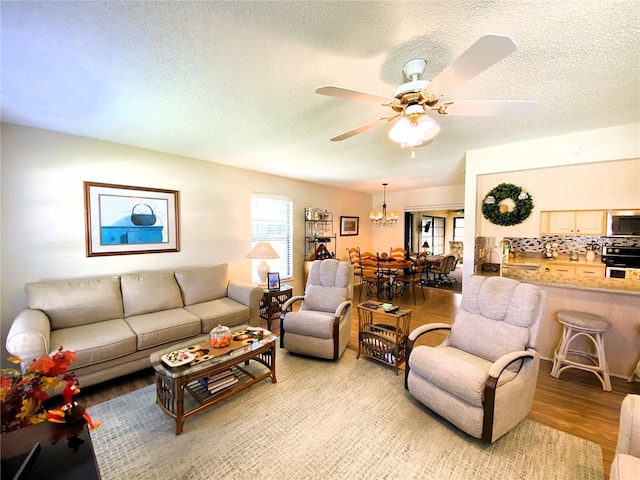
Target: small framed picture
<point>273,280</point>
<point>349,226</point>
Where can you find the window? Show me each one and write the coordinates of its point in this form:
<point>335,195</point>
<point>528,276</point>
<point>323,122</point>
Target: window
<point>271,221</point>
<point>458,229</point>
<point>433,232</point>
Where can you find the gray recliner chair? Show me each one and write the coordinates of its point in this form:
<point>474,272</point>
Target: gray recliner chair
<point>322,324</point>
<point>626,464</point>
<point>482,377</point>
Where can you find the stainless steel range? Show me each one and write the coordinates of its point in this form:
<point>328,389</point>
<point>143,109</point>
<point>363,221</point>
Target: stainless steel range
<point>619,259</point>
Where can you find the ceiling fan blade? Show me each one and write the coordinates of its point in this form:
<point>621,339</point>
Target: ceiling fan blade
<point>487,108</point>
<point>362,128</point>
<point>341,92</point>
<point>488,50</point>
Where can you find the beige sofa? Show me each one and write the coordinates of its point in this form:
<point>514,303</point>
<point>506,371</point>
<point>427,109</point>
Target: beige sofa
<point>114,324</point>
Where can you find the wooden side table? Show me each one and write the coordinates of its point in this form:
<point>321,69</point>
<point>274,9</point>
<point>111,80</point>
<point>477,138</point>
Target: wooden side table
<point>383,336</point>
<point>270,306</point>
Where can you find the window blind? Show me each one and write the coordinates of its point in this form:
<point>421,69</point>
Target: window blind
<point>272,221</point>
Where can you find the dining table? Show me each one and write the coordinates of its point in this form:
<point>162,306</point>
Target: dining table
<point>388,267</point>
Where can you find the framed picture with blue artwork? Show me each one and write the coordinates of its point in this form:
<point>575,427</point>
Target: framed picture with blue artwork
<point>124,220</point>
<point>273,281</point>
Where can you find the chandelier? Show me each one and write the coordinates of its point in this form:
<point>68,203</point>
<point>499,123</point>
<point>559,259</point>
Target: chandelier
<point>384,219</point>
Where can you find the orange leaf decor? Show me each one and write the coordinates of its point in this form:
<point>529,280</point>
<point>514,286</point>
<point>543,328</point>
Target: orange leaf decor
<point>22,393</point>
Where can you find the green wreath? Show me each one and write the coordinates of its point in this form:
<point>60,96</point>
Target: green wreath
<point>496,212</point>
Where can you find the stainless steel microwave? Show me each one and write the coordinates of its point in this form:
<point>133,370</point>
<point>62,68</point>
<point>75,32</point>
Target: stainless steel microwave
<point>623,223</point>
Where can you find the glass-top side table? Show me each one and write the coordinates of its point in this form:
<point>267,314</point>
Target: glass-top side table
<point>272,301</point>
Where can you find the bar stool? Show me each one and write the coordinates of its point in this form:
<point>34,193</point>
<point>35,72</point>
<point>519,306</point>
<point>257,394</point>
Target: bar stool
<point>591,327</point>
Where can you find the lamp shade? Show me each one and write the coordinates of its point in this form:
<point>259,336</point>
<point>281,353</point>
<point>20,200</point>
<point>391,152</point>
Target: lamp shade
<point>262,251</point>
<point>425,245</point>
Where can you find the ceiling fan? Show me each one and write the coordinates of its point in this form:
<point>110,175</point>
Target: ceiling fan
<point>412,100</point>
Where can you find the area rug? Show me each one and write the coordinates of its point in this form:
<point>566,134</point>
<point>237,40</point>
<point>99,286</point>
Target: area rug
<point>350,419</point>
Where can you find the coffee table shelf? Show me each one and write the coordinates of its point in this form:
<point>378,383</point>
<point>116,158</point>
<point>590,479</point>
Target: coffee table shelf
<point>172,383</point>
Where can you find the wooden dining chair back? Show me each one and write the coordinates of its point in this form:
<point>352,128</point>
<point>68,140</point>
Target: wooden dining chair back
<point>354,259</point>
<point>356,263</point>
<point>398,253</point>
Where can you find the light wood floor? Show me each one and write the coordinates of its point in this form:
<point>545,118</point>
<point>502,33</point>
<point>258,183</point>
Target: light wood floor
<point>575,403</point>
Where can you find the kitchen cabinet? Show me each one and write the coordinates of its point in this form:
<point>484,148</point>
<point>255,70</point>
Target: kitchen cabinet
<point>592,270</point>
<point>573,222</point>
<point>561,269</point>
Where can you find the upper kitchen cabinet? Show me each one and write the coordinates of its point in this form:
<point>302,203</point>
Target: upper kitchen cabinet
<point>573,223</point>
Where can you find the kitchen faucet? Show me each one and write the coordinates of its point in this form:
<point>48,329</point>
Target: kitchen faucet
<point>504,255</point>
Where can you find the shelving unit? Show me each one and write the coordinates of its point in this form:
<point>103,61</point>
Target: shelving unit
<point>320,238</point>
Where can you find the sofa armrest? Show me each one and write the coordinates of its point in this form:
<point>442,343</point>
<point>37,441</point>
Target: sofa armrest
<point>249,295</point>
<point>29,335</point>
<point>629,433</point>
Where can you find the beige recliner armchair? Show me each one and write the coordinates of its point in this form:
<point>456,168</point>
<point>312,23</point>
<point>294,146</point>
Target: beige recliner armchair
<point>482,377</point>
<point>321,326</point>
<point>626,463</point>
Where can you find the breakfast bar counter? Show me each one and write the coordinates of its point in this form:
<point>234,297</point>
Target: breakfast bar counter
<point>580,282</point>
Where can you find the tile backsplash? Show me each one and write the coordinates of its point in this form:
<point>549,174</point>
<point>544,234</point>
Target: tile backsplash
<point>566,244</point>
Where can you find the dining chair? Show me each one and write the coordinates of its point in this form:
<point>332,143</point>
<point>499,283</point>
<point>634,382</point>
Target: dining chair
<point>356,262</point>
<point>375,280</point>
<point>414,278</point>
<point>441,272</point>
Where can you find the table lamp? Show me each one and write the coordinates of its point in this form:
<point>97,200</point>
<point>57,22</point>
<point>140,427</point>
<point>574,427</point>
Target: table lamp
<point>425,247</point>
<point>262,251</point>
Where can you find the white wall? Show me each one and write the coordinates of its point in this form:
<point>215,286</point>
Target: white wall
<point>603,145</point>
<point>43,227</point>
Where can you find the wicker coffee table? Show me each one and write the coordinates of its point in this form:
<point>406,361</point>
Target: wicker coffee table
<point>211,379</point>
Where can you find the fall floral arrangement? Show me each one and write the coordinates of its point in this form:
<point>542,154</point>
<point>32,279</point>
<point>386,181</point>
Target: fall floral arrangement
<point>23,393</point>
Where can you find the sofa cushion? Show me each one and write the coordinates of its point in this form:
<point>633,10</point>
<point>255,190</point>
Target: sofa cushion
<point>149,292</point>
<point>458,372</point>
<point>310,323</point>
<point>71,303</point>
<point>165,326</point>
<point>95,343</point>
<point>203,284</point>
<point>222,311</point>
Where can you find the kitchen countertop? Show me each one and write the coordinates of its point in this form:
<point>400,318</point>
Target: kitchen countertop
<point>539,275</point>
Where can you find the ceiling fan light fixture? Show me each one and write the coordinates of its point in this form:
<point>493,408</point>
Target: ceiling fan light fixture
<point>414,129</point>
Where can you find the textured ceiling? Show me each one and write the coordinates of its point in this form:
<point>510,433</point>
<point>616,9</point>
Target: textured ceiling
<point>234,82</point>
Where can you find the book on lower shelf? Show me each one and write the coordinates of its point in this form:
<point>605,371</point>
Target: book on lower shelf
<point>224,378</point>
<point>222,384</point>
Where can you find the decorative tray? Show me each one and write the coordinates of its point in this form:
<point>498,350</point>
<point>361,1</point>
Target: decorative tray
<point>178,358</point>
